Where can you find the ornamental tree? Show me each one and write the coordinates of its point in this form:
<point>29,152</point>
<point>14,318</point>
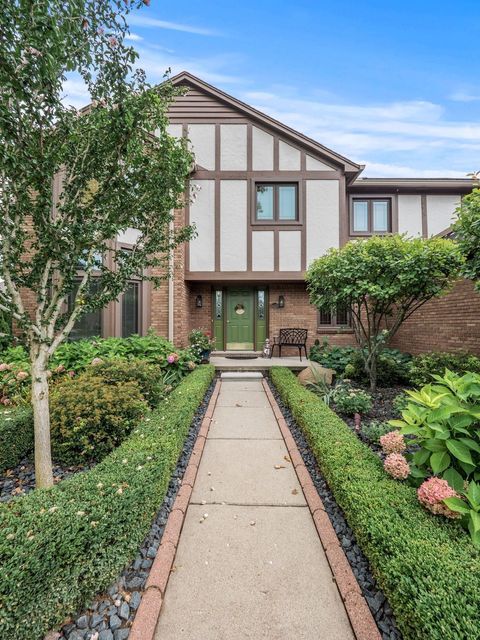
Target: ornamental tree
<point>467,233</point>
<point>381,282</point>
<point>111,173</point>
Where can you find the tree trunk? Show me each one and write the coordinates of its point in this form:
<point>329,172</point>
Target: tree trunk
<point>373,372</point>
<point>41,416</point>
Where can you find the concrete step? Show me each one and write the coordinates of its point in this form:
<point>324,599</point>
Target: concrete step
<point>241,375</point>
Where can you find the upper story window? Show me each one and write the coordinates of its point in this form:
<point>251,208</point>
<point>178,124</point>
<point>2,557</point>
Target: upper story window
<point>370,215</point>
<point>276,202</point>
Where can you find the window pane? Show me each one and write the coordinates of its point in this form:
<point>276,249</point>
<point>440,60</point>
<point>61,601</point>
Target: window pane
<point>218,305</point>
<point>261,304</point>
<point>342,315</point>
<point>130,310</point>
<point>360,215</point>
<point>88,325</point>
<point>264,202</point>
<point>287,202</point>
<point>380,215</point>
<point>325,316</point>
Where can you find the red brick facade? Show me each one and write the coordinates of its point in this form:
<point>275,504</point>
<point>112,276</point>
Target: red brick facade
<point>449,323</point>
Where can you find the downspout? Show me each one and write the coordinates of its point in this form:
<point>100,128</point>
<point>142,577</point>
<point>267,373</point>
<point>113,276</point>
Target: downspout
<point>171,289</point>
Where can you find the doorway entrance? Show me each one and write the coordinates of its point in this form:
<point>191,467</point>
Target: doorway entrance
<point>240,318</point>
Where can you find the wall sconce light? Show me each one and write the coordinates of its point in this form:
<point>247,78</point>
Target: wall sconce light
<point>199,301</point>
<point>280,304</point>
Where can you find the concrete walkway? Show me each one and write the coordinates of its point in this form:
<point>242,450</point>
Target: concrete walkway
<point>249,563</point>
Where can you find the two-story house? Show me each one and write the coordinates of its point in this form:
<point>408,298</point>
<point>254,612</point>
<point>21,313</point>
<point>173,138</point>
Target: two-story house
<point>268,201</point>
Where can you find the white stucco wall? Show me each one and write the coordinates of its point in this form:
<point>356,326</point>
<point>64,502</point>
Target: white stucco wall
<point>202,142</point>
<point>322,217</point>
<point>440,210</point>
<point>202,214</point>
<point>129,236</point>
<point>312,164</point>
<point>233,147</point>
<point>262,251</point>
<point>290,250</point>
<point>262,150</point>
<point>410,215</point>
<point>233,225</point>
<point>175,130</point>
<point>288,157</point>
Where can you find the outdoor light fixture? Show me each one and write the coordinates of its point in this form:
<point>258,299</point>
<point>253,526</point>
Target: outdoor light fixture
<point>280,304</point>
<point>199,301</point>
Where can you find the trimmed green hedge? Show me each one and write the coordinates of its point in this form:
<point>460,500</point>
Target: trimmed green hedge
<point>16,435</point>
<point>60,546</point>
<point>426,566</point>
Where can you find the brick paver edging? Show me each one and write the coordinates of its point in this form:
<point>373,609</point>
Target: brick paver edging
<point>145,622</point>
<point>361,619</point>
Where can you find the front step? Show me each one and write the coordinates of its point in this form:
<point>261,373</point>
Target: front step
<point>241,375</point>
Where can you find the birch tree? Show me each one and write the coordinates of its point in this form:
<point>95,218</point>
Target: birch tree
<point>110,174</point>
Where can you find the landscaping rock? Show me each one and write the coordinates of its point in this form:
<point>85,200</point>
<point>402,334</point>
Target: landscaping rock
<point>314,372</point>
<point>135,600</point>
<point>121,634</point>
<point>105,635</point>
<point>124,611</point>
<point>114,622</point>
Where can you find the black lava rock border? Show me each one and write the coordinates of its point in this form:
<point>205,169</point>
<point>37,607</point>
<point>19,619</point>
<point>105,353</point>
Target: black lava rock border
<point>374,596</point>
<point>112,613</point>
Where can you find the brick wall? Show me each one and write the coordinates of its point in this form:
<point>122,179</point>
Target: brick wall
<point>298,312</point>
<point>449,323</point>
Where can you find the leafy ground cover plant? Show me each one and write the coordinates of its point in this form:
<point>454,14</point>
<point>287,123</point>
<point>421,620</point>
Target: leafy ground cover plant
<point>60,547</point>
<point>201,343</point>
<point>425,365</point>
<point>373,430</point>
<point>468,509</point>
<point>90,417</point>
<point>443,420</point>
<point>427,569</point>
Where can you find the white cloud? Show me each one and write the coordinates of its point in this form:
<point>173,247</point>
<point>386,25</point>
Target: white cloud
<point>144,21</point>
<point>464,96</point>
<point>75,92</point>
<point>385,170</point>
<point>134,37</point>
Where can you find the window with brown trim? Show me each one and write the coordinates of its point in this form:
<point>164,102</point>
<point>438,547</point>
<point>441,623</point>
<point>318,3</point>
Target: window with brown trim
<point>337,318</point>
<point>88,325</point>
<point>370,215</point>
<point>276,202</point>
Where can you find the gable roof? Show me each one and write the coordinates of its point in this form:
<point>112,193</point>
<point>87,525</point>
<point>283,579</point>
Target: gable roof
<point>352,169</point>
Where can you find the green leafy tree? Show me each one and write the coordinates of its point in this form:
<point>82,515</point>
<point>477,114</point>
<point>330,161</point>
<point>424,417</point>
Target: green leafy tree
<point>114,166</point>
<point>382,281</point>
<point>467,233</point>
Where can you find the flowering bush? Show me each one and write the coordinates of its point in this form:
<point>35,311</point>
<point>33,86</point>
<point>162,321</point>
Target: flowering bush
<point>433,492</point>
<point>392,442</point>
<point>350,401</point>
<point>396,465</point>
<point>201,342</point>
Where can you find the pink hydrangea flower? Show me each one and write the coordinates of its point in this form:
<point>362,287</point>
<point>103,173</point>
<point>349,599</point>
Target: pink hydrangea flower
<point>392,442</point>
<point>4,366</point>
<point>433,492</point>
<point>396,465</point>
<point>173,357</point>
<point>22,375</point>
<point>60,368</point>
<point>71,374</point>
<point>96,361</point>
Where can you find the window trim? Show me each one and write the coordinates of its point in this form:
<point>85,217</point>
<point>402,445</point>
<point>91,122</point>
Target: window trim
<point>333,326</point>
<point>276,220</point>
<point>370,200</point>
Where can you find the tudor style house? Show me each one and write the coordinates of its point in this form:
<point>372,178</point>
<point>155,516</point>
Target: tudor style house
<point>268,201</point>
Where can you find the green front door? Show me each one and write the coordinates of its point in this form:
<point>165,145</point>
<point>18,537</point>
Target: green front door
<point>240,319</point>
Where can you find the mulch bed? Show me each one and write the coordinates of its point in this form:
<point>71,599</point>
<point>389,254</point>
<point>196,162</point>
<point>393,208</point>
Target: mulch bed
<point>374,596</point>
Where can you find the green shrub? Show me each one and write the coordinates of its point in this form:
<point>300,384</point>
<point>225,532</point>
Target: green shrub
<point>90,417</point>
<point>427,567</point>
<point>6,336</point>
<point>61,546</point>
<point>336,358</point>
<point>350,401</point>
<point>16,435</point>
<point>443,419</point>
<point>425,365</point>
<point>147,376</point>
<point>374,430</point>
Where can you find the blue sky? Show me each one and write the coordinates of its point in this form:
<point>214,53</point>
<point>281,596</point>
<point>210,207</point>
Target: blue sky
<point>393,85</point>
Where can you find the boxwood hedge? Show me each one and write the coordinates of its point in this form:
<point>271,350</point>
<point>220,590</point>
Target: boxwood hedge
<point>60,546</point>
<point>427,567</point>
<point>16,435</point>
